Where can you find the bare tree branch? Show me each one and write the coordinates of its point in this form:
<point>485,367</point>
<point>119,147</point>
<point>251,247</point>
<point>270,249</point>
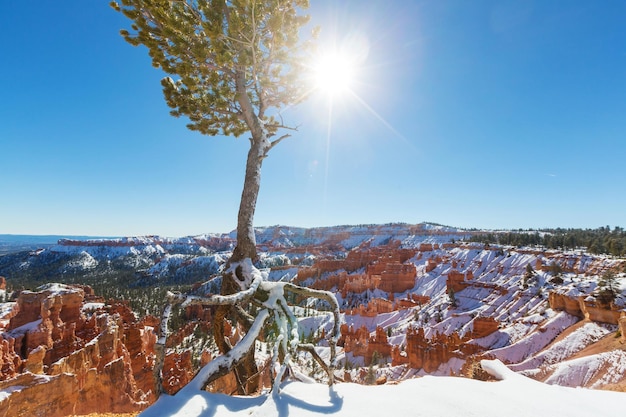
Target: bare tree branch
<point>223,364</point>
<point>307,347</point>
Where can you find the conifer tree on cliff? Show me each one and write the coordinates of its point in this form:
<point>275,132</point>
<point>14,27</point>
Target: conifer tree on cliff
<point>236,64</point>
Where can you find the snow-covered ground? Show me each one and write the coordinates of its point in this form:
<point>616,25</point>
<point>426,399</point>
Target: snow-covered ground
<point>610,366</point>
<point>513,395</point>
<point>563,349</point>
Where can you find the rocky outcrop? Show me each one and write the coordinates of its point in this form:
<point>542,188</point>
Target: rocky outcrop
<point>483,326</point>
<point>593,311</point>
<point>411,300</point>
<point>374,307</point>
<point>358,283</point>
<point>395,277</point>
<point>177,371</point>
<point>68,361</point>
<point>53,396</point>
<point>54,302</point>
<point>562,302</point>
<point>429,353</point>
<point>10,362</point>
<point>577,263</point>
<point>432,263</point>
<point>458,281</point>
<point>361,343</point>
<point>386,269</point>
<point>586,307</point>
<point>398,357</point>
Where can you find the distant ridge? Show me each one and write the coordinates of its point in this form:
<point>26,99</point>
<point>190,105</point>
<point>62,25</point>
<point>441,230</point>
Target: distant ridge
<point>10,238</point>
<point>16,243</point>
<point>11,243</point>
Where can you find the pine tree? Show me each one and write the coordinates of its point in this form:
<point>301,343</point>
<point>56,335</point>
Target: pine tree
<point>608,288</point>
<point>556,270</point>
<point>452,297</point>
<point>370,377</point>
<point>528,276</point>
<point>375,358</point>
<point>235,62</point>
<point>233,66</point>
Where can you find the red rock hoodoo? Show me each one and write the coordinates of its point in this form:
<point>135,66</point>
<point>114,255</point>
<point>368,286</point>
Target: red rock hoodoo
<point>72,360</point>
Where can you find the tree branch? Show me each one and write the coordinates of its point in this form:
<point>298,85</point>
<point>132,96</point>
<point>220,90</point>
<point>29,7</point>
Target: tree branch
<point>334,337</point>
<point>185,300</point>
<point>307,347</point>
<point>276,142</point>
<point>223,364</point>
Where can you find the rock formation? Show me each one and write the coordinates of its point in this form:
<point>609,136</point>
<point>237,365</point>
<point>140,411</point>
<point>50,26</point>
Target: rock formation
<point>483,326</point>
<point>374,307</point>
<point>177,371</point>
<point>386,269</point>
<point>429,353</point>
<point>411,300</point>
<point>458,281</point>
<point>360,343</point>
<point>586,307</point>
<point>71,361</point>
<point>49,342</point>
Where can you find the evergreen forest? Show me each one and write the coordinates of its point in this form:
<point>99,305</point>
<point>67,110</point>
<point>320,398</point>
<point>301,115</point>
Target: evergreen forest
<point>602,240</point>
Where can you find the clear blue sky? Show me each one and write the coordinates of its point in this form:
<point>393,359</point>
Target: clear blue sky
<point>494,114</point>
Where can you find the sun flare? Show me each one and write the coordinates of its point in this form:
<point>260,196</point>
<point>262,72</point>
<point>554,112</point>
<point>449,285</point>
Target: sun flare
<point>334,74</point>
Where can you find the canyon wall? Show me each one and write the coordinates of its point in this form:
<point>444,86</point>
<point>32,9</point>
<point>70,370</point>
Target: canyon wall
<point>585,307</point>
<point>386,268</point>
<point>70,360</point>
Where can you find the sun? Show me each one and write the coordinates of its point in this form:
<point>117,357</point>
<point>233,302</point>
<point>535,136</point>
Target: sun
<point>334,74</point>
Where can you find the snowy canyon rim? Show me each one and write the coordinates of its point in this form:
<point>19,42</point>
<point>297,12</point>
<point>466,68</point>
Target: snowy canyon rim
<point>392,281</point>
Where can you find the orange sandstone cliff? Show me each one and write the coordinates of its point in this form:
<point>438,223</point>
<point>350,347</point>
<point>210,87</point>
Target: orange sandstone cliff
<point>67,357</point>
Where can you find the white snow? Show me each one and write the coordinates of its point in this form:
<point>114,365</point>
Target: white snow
<point>56,288</point>
<point>513,395</point>
<point>563,349</point>
<point>26,328</point>
<point>611,367</point>
<point>87,307</point>
<point>518,351</point>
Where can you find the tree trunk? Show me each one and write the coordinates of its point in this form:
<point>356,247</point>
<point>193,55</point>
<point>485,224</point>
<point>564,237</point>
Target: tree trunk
<point>234,281</point>
<point>246,241</point>
<point>246,373</point>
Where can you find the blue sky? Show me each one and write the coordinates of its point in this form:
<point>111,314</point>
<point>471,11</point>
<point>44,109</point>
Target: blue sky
<point>488,114</point>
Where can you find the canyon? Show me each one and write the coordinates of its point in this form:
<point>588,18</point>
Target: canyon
<point>65,350</point>
<point>415,300</point>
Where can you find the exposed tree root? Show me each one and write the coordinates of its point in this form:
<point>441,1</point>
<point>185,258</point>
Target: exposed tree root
<point>271,302</point>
